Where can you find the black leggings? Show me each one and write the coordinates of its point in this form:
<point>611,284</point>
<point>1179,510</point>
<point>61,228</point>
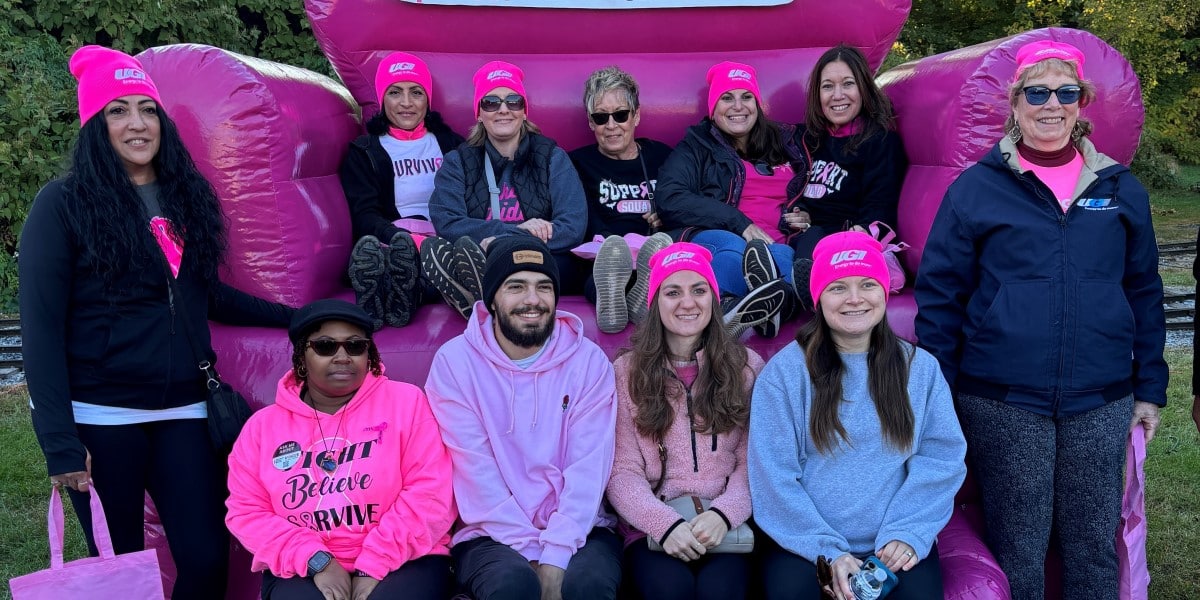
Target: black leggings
<point>660,576</point>
<point>788,577</point>
<point>425,578</point>
<point>174,462</point>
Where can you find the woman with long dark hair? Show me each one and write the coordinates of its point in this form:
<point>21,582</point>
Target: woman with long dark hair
<point>119,269</point>
<point>683,405</point>
<point>387,176</point>
<point>855,449</point>
<point>724,187</point>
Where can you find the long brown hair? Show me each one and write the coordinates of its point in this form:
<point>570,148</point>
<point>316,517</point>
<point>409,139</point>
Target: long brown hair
<point>875,111</point>
<point>888,365</point>
<point>764,142</point>
<point>719,397</point>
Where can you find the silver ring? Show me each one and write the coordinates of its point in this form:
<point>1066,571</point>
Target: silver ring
<point>907,553</point>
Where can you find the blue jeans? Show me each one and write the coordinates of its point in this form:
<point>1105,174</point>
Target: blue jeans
<point>727,249</point>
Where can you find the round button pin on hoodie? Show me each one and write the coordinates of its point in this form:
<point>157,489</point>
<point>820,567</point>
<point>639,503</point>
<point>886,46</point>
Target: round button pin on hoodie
<point>286,455</point>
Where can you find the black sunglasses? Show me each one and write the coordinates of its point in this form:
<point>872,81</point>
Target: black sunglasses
<point>353,347</point>
<point>1037,95</point>
<point>491,103</point>
<point>762,168</point>
<point>619,116</point>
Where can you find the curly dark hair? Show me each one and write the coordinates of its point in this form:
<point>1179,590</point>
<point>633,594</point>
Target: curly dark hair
<point>719,394</point>
<point>300,344</point>
<point>876,109</point>
<point>888,364</point>
<point>109,219</point>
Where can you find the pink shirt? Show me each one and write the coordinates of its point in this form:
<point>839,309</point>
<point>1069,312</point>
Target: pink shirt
<point>763,197</point>
<point>1061,180</point>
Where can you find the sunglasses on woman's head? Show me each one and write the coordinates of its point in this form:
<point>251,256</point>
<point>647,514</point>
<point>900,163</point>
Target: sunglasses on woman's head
<point>491,103</point>
<point>763,169</point>
<point>353,347</point>
<point>619,116</point>
<point>1037,95</point>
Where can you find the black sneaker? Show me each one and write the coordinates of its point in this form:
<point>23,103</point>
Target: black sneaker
<point>801,274</point>
<point>469,261</point>
<point>757,307</point>
<point>404,270</point>
<point>437,261</point>
<point>611,272</point>
<point>758,268</point>
<point>368,277</point>
<point>636,299</point>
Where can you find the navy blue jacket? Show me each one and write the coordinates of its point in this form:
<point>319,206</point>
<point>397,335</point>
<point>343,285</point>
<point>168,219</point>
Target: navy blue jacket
<point>1053,313</point>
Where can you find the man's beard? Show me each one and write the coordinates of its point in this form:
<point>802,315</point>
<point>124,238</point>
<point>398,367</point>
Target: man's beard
<point>521,336</point>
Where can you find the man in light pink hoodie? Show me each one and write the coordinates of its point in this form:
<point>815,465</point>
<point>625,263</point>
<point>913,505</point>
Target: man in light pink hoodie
<point>526,405</point>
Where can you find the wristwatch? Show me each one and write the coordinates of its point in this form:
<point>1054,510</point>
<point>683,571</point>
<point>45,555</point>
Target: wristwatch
<point>318,562</point>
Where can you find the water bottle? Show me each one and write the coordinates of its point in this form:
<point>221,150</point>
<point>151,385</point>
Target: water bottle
<point>873,580</point>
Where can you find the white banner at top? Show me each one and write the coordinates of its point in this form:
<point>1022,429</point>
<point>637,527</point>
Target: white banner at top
<point>605,4</point>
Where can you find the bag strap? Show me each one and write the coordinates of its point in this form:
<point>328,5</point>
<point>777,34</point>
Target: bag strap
<point>662,455</point>
<point>493,189</point>
<point>55,522</point>
<point>888,235</point>
<point>198,354</point>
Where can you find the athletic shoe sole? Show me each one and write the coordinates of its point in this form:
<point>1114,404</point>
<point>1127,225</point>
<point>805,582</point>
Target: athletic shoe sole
<point>758,306</point>
<point>636,300</point>
<point>801,276</point>
<point>437,261</point>
<point>368,277</point>
<point>404,268</point>
<point>469,262</point>
<point>611,273</point>
<point>758,268</point>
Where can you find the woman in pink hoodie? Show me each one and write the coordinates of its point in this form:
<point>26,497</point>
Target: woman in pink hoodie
<point>342,488</point>
<point>683,404</point>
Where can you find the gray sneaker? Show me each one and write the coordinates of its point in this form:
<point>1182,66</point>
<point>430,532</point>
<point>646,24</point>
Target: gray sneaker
<point>758,268</point>
<point>635,300</point>
<point>469,261</point>
<point>368,277</point>
<point>437,261</point>
<point>755,308</point>
<point>403,265</point>
<point>611,273</point>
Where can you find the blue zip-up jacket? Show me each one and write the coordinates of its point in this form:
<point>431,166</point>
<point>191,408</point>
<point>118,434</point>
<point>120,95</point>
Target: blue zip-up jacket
<point>1053,313</point>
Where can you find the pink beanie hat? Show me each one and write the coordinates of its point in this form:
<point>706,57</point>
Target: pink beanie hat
<point>846,254</point>
<point>1035,52</point>
<point>499,74</point>
<point>402,66</point>
<point>681,256</point>
<point>104,75</point>
<point>725,76</point>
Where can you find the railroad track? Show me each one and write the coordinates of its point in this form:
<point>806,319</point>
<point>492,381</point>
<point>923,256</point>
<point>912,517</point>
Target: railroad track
<point>1176,249</point>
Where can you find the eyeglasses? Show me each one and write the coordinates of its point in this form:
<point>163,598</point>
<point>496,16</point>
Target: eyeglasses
<point>1037,95</point>
<point>762,168</point>
<point>619,116</point>
<point>353,347</point>
<point>491,103</point>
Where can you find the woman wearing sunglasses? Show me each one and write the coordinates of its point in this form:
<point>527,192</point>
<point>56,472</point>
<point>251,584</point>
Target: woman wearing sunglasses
<point>342,489</point>
<point>855,449</point>
<point>619,173</point>
<point>387,176</point>
<point>857,159</point>
<point>724,187</point>
<point>507,179</point>
<point>683,402</point>
<point>1039,294</point>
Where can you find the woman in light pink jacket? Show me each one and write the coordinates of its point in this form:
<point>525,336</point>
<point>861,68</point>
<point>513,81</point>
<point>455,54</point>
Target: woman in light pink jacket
<point>683,404</point>
<point>342,489</point>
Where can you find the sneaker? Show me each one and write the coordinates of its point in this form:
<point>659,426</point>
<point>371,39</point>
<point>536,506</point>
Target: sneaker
<point>801,273</point>
<point>368,277</point>
<point>611,272</point>
<point>404,270</point>
<point>758,268</point>
<point>469,261</point>
<point>757,307</point>
<point>437,261</point>
<point>635,300</point>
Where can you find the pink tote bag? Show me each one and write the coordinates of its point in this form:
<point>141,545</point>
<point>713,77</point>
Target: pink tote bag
<point>105,577</point>
<point>1131,538</point>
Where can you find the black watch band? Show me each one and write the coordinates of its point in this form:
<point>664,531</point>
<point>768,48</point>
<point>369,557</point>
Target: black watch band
<point>319,561</point>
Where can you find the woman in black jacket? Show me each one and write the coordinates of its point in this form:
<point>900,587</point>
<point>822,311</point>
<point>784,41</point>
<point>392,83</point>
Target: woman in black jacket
<point>388,177</point>
<point>724,187</point>
<point>116,393</point>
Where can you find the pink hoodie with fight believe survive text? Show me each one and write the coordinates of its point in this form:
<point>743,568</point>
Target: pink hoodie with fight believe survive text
<point>388,501</point>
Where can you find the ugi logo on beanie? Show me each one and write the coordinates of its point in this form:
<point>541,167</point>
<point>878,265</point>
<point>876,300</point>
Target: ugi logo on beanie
<point>128,73</point>
<point>681,255</point>
<point>847,255</point>
<point>738,74</point>
<point>401,66</point>
<point>498,73</point>
<point>527,256</point>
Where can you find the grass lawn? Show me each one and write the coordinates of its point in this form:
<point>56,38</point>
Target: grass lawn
<point>1172,469</point>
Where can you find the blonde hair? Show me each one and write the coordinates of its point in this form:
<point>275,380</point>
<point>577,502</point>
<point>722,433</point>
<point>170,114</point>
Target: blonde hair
<point>610,79</point>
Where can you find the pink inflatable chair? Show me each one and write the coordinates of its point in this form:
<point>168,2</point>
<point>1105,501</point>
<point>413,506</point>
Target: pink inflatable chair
<point>270,138</point>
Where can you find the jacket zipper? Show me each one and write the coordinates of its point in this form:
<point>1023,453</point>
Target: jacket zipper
<point>692,430</point>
